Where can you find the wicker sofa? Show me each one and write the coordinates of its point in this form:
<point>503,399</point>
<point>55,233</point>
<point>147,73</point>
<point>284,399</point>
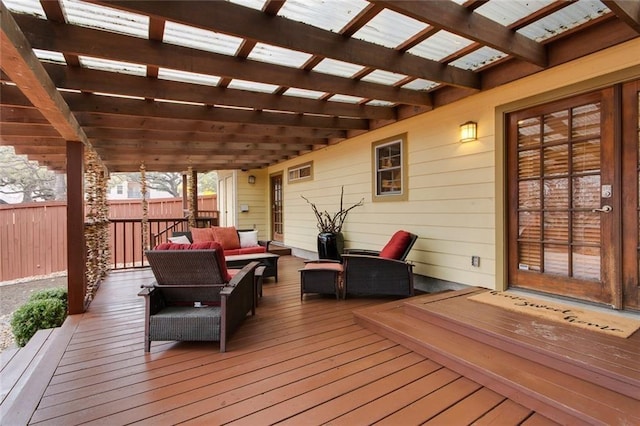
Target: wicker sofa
<point>231,239</point>
<point>194,297</point>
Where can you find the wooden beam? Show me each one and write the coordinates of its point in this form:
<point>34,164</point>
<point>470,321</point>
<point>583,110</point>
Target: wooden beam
<point>457,19</point>
<point>90,119</point>
<point>146,145</point>
<point>88,80</point>
<point>102,44</point>
<point>76,253</point>
<point>244,22</point>
<point>628,12</point>
<point>141,108</point>
<point>21,65</point>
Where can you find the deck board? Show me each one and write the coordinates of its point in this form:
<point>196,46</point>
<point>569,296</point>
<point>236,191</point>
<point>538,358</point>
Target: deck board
<point>295,362</point>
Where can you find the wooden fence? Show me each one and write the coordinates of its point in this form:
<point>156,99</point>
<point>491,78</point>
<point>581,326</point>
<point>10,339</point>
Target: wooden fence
<point>33,236</point>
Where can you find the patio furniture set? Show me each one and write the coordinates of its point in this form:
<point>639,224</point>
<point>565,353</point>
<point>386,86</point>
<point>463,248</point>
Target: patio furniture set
<point>199,294</point>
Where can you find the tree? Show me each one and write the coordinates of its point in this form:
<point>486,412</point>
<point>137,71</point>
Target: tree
<point>160,181</point>
<point>27,178</point>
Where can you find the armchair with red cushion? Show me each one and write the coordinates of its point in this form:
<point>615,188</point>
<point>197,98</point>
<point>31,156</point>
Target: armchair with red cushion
<point>383,273</point>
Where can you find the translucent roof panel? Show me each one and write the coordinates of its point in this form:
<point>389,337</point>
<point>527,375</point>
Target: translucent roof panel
<point>420,84</point>
<point>346,99</point>
<point>384,77</point>
<point>478,58</point>
<point>565,19</point>
<point>187,77</point>
<point>105,18</point>
<point>339,68</point>
<point>183,35</point>
<point>253,4</point>
<point>389,29</point>
<point>25,6</point>
<point>49,56</point>
<point>330,15</point>
<point>377,102</point>
<point>440,45</point>
<point>507,12</point>
<point>252,86</point>
<point>278,55</point>
<point>113,66</point>
<point>304,93</point>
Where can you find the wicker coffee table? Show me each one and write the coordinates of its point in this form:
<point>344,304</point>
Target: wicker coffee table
<point>269,260</point>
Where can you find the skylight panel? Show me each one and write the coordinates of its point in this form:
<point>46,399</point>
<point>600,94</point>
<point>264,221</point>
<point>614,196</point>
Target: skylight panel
<point>25,6</point>
<point>113,66</point>
<point>440,45</point>
<point>339,68</point>
<point>565,19</point>
<point>197,38</point>
<point>105,18</point>
<point>252,86</point>
<point>278,55</point>
<point>507,12</point>
<point>49,56</point>
<point>253,4</point>
<point>377,102</point>
<point>173,101</point>
<point>420,84</point>
<point>346,99</point>
<point>383,77</point>
<point>390,29</point>
<point>478,59</point>
<point>330,15</point>
<point>304,93</point>
<point>188,77</point>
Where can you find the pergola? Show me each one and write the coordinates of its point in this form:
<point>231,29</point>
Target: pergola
<point>246,84</point>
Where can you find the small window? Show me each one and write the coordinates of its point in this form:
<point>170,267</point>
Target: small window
<point>301,172</point>
<point>119,190</point>
<point>390,169</point>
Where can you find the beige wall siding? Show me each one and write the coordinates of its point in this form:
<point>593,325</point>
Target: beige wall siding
<point>455,190</point>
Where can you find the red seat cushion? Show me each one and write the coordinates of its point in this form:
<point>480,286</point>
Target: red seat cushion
<point>205,245</point>
<point>396,246</point>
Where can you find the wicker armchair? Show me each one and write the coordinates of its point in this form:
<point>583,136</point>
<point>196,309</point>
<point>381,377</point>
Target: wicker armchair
<point>193,299</point>
<point>383,273</point>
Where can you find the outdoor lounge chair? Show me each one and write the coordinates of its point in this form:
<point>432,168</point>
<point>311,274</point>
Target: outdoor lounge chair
<point>383,273</point>
<point>194,298</point>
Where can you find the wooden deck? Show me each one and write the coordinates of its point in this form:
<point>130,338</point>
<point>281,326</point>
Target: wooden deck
<point>295,362</point>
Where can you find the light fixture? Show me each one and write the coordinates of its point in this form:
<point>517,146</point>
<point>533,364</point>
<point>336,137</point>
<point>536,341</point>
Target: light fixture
<point>252,179</point>
<point>468,131</point>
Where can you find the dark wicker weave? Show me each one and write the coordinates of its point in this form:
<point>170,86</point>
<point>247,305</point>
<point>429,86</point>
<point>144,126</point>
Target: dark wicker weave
<point>184,277</point>
<point>372,275</point>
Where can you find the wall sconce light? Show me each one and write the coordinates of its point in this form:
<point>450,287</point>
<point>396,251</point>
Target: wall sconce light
<point>468,131</point>
<point>252,179</point>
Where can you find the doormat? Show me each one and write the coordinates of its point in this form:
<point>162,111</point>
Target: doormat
<point>557,312</point>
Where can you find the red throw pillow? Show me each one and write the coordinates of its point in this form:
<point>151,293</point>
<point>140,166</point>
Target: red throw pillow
<point>204,245</point>
<point>227,236</point>
<point>199,235</point>
<point>172,246</point>
<point>396,246</point>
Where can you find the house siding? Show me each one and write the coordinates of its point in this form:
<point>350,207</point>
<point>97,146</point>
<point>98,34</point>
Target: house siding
<point>452,203</point>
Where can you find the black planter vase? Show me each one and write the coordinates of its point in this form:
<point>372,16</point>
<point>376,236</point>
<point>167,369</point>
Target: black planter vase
<point>330,245</point>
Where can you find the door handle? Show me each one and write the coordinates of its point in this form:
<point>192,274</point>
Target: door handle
<point>603,209</point>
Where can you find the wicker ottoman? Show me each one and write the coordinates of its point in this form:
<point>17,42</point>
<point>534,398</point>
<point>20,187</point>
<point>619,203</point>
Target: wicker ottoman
<point>322,278</point>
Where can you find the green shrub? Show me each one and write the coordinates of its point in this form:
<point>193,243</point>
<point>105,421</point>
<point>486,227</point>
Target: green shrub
<point>59,293</point>
<point>38,313</point>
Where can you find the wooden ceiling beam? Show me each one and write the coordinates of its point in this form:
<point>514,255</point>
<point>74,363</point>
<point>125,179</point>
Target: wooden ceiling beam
<point>151,123</point>
<point>228,144</point>
<point>102,44</point>
<point>457,19</point>
<point>244,22</point>
<point>627,11</point>
<point>21,65</point>
<point>141,108</point>
<point>88,80</point>
<point>163,135</point>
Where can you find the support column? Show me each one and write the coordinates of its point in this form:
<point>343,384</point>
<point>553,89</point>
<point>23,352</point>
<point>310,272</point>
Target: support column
<point>76,252</point>
<point>185,192</point>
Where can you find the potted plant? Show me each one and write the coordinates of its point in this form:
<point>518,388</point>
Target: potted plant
<point>330,238</point>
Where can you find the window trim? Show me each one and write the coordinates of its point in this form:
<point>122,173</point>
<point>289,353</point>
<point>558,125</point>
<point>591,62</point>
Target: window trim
<point>308,164</point>
<point>403,195</point>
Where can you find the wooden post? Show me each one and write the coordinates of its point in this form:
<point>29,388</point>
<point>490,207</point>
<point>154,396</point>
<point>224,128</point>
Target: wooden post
<point>76,247</point>
<point>185,196</point>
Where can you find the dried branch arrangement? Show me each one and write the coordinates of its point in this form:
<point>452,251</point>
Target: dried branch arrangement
<point>332,222</point>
